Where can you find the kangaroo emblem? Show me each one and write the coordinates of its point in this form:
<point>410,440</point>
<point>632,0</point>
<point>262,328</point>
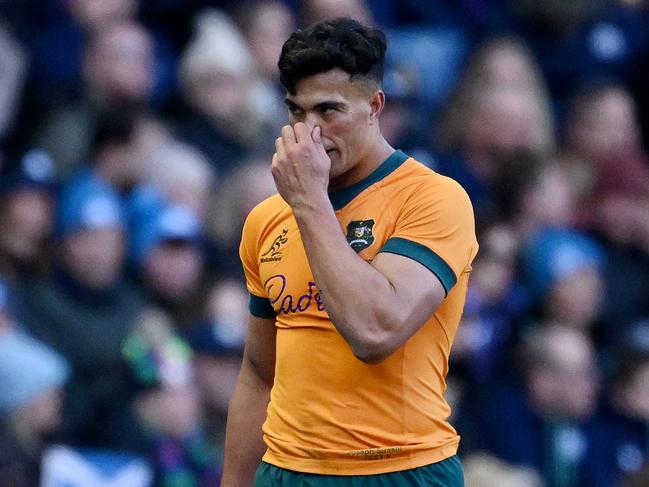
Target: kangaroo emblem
<point>277,243</point>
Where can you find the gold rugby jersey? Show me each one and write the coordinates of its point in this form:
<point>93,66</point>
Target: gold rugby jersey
<point>330,413</point>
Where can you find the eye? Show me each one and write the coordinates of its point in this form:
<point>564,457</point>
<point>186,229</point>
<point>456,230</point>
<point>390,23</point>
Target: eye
<point>295,111</point>
<point>327,109</point>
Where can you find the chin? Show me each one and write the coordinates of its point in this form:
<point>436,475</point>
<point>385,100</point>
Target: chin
<point>336,171</point>
<point>336,166</point>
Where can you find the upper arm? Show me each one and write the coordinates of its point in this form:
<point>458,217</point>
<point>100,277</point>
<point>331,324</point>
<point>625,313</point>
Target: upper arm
<point>417,291</point>
<point>259,352</point>
<point>435,228</point>
<point>432,245</point>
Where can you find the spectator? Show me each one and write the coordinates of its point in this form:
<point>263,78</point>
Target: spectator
<point>404,119</point>
<point>217,73</point>
<point>57,34</point>
<point>227,306</point>
<point>168,257</point>
<point>114,153</point>
<point>167,405</point>
<point>182,174</point>
<point>536,193</point>
<point>118,73</point>
<point>619,436</point>
<point>564,271</point>
<point>32,377</point>
<point>500,107</point>
<point>27,209</point>
<point>603,128</point>
<point>266,25</point>
<point>218,346</point>
<point>582,39</point>
<point>495,300</point>
<point>541,425</point>
<point>617,213</point>
<point>602,122</point>
<point>85,311</point>
<point>243,189</point>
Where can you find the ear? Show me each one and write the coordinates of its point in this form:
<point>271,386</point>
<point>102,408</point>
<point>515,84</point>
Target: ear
<point>377,102</point>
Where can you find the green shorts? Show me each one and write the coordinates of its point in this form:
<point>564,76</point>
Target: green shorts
<point>447,473</point>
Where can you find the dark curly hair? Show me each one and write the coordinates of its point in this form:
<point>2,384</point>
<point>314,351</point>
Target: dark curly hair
<point>337,43</point>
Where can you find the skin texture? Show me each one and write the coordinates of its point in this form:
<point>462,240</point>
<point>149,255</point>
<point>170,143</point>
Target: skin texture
<point>247,412</point>
<point>333,140</point>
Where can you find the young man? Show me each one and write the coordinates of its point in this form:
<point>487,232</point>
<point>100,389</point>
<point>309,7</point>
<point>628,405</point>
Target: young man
<point>357,272</point>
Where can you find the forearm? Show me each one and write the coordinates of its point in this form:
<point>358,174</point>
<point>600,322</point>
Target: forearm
<point>343,279</point>
<point>244,445</point>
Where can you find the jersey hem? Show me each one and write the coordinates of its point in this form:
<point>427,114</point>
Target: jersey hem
<point>367,467</point>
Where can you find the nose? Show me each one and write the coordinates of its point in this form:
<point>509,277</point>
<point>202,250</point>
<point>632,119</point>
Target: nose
<point>312,120</point>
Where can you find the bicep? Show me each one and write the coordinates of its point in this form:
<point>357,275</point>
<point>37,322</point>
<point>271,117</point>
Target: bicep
<point>259,352</point>
<point>417,291</point>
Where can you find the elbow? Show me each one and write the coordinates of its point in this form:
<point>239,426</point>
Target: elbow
<point>374,349</point>
<point>379,339</point>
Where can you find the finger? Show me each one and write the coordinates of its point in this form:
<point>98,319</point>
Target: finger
<point>280,150</point>
<point>316,134</point>
<point>302,133</point>
<point>288,134</point>
<point>274,168</point>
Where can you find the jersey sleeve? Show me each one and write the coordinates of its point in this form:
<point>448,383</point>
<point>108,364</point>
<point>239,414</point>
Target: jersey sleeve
<point>259,304</point>
<point>436,227</point>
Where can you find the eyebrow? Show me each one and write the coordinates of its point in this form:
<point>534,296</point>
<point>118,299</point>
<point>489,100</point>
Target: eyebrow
<point>323,104</point>
<point>290,103</point>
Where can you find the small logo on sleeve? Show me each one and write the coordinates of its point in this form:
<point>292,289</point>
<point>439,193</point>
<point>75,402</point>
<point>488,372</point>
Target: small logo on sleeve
<point>274,253</point>
<point>359,234</point>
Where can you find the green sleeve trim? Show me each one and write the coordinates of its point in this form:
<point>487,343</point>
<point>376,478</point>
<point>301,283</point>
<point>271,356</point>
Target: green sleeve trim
<point>260,307</point>
<point>424,256</point>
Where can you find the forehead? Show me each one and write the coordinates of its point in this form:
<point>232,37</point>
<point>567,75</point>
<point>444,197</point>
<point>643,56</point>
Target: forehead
<point>334,85</point>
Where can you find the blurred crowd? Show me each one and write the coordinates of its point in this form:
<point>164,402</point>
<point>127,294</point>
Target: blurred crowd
<point>135,136</point>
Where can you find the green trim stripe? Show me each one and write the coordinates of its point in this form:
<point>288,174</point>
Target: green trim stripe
<point>340,198</point>
<point>424,256</point>
<point>260,307</point>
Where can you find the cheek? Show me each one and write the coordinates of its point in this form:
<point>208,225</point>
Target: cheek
<point>347,138</point>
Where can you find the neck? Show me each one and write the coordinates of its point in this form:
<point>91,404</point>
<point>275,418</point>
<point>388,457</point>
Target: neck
<point>379,151</point>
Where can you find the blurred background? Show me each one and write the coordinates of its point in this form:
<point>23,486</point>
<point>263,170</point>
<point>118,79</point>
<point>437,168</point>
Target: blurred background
<point>135,136</point>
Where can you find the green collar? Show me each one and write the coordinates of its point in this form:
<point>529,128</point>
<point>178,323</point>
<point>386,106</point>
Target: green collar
<point>341,197</point>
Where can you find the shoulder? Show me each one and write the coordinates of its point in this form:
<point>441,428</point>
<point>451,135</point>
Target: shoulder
<point>431,177</point>
<point>263,217</point>
<point>266,212</point>
<point>420,185</point>
<point>269,206</point>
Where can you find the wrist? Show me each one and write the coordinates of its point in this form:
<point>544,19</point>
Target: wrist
<point>313,207</point>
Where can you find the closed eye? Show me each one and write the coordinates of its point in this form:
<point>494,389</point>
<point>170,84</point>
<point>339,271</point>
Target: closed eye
<point>327,108</point>
<point>295,110</point>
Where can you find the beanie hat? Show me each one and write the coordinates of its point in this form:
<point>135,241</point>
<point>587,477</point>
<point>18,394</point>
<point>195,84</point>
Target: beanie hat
<point>554,255</point>
<point>27,369</point>
<point>161,224</point>
<point>87,203</point>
